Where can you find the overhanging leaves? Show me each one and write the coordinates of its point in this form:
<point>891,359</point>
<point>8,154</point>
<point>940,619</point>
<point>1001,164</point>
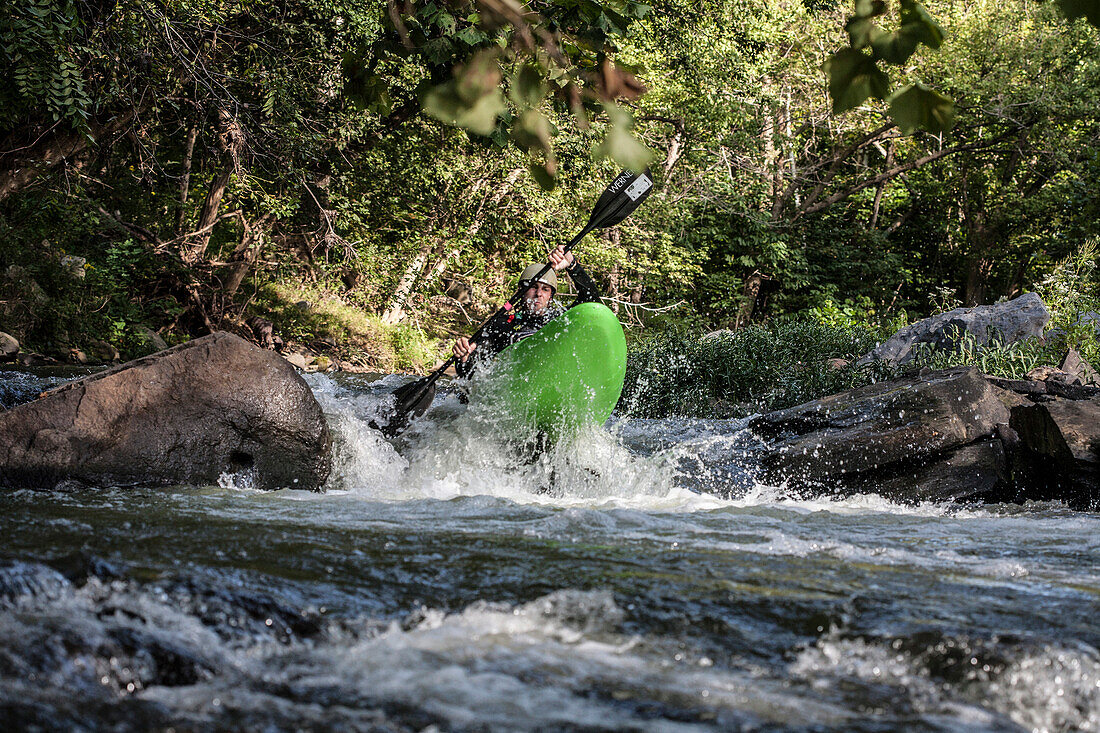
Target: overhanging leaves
<point>620,145</point>
<point>853,77</point>
<point>916,106</point>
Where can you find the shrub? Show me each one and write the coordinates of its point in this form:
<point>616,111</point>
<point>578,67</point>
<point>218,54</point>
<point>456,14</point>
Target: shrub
<point>736,373</point>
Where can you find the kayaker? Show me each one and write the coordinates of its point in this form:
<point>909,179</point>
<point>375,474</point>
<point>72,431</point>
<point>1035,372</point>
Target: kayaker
<point>535,310</point>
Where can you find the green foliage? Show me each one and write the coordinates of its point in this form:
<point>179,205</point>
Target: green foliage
<point>475,58</point>
<point>1072,292</point>
<point>854,74</point>
<point>1008,361</point>
<point>41,53</point>
<point>737,373</point>
<point>345,183</point>
<point>318,317</point>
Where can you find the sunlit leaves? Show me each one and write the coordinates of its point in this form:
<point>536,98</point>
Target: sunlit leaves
<point>556,55</point>
<point>916,106</point>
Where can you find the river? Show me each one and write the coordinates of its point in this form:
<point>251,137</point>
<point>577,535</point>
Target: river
<point>636,580</point>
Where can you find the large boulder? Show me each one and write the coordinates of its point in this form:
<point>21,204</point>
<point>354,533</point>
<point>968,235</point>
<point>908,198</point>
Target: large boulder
<point>216,405</point>
<point>887,435</point>
<point>1014,320</point>
<point>1059,448</point>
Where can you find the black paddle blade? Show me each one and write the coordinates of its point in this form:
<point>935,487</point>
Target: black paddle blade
<point>410,401</point>
<point>620,198</point>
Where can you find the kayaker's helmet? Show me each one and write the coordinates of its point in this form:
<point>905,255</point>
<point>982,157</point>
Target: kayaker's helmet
<point>527,277</point>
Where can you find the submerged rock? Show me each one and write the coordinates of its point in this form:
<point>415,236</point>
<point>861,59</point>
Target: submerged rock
<point>1015,320</point>
<point>187,415</point>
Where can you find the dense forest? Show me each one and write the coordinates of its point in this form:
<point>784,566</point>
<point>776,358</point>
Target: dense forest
<point>367,180</point>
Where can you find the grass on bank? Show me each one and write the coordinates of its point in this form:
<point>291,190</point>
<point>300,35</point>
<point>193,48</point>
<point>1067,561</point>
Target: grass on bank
<point>322,320</point>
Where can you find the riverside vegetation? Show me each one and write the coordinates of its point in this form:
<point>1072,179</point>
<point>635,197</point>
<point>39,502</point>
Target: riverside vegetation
<point>368,180</point>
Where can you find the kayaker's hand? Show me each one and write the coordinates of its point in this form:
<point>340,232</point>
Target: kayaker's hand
<point>560,259</point>
<point>463,348</point>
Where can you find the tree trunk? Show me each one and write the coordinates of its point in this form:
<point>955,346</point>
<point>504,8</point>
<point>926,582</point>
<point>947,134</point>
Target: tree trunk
<point>881,187</point>
<point>231,141</point>
<point>185,178</point>
<point>195,250</point>
<point>246,254</point>
<point>52,150</point>
<point>395,309</point>
<point>748,302</point>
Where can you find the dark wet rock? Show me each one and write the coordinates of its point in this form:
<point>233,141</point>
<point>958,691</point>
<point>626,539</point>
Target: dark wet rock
<point>23,581</point>
<point>1015,320</point>
<point>9,347</point>
<point>233,614</point>
<point>952,435</point>
<point>186,415</point>
<point>976,473</point>
<point>160,661</point>
<point>1059,449</point>
<point>80,567</point>
<point>884,431</point>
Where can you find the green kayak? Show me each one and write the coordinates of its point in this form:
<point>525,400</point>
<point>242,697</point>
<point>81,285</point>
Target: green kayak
<point>567,375</point>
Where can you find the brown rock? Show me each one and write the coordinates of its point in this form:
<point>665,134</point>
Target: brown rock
<point>186,415</point>
<point>1050,374</point>
<point>1072,363</point>
<point>9,347</point>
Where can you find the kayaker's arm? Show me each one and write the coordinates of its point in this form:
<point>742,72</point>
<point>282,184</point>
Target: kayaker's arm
<point>493,340</point>
<point>587,290</point>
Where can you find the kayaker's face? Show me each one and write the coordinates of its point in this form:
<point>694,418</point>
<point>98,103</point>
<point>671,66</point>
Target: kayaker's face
<point>537,297</point>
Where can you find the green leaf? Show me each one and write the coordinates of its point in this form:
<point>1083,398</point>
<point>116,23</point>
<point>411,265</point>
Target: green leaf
<point>620,145</point>
<point>853,77</point>
<point>527,89</point>
<point>870,8</point>
<point>532,131</point>
<point>479,115</point>
<point>916,106</point>
<point>546,179</point>
<point>1088,9</point>
<point>863,32</point>
<point>917,27</point>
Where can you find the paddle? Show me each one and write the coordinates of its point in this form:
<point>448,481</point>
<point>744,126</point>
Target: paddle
<point>618,201</point>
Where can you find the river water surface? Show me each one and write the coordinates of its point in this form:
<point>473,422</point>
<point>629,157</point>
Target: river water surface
<point>638,579</point>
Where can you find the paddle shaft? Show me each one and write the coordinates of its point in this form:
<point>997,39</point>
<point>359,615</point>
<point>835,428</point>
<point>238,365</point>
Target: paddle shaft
<point>597,220</point>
